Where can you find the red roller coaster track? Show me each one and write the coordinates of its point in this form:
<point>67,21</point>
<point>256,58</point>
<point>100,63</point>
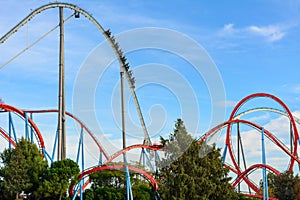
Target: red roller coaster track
<point>121,167</point>
<point>137,146</point>
<point>228,141</point>
<point>101,149</point>
<point>9,108</point>
<point>9,139</point>
<point>241,175</point>
<point>256,95</point>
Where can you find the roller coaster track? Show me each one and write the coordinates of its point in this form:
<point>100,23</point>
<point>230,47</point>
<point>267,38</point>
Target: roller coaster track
<point>238,116</point>
<point>38,135</point>
<point>124,66</point>
<point>122,151</point>
<point>7,137</point>
<point>94,169</point>
<point>258,127</point>
<point>120,167</point>
<point>253,167</point>
<point>290,116</point>
<point>235,119</point>
<point>101,149</point>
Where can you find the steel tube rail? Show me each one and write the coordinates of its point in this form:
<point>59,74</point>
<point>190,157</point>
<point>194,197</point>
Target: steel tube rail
<point>101,29</point>
<point>101,149</point>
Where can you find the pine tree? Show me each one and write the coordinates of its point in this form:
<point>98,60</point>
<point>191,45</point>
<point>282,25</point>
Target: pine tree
<point>187,174</point>
<point>22,170</point>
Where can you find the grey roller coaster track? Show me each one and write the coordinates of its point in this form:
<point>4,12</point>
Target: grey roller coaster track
<point>109,39</point>
<point>238,116</point>
<point>265,109</point>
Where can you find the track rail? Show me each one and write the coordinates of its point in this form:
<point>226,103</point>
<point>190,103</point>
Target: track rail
<point>235,119</point>
<point>101,149</point>
<point>7,137</point>
<point>253,167</point>
<point>137,146</point>
<point>238,116</point>
<point>37,133</point>
<point>121,167</point>
<point>124,66</point>
<point>256,126</point>
<point>276,99</point>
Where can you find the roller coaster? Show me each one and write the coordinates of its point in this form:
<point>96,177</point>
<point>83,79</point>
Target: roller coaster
<point>233,150</point>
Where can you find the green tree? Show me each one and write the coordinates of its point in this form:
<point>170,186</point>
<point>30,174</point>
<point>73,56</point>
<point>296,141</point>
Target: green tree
<point>58,178</point>
<point>22,170</point>
<point>108,184</point>
<point>284,186</point>
<point>187,173</point>
<point>88,194</point>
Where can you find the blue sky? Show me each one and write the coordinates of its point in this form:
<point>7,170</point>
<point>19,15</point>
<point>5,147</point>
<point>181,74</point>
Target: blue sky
<point>254,45</point>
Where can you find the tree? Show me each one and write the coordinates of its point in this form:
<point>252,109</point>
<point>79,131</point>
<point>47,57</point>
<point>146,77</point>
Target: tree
<point>88,194</point>
<point>22,170</point>
<point>192,175</point>
<point>58,178</point>
<point>25,172</point>
<point>285,186</point>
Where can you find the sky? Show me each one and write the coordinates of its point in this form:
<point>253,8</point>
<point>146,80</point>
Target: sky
<point>246,46</point>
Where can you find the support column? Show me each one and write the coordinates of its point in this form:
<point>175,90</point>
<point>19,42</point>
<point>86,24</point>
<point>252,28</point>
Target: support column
<point>123,109</point>
<point>238,151</point>
<point>265,178</point>
<point>61,150</point>
<point>128,184</point>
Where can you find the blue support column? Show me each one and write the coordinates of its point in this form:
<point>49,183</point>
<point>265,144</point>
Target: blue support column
<point>26,127</point>
<point>78,150</point>
<point>148,159</point>
<point>143,157</point>
<point>128,184</point>
<point>100,159</point>
<point>265,178</point>
<point>80,185</point>
<point>31,130</point>
<point>54,145</point>
<point>12,128</point>
<point>156,161</point>
<point>82,150</point>
<point>224,154</point>
<point>9,129</point>
<point>76,191</point>
<point>47,155</point>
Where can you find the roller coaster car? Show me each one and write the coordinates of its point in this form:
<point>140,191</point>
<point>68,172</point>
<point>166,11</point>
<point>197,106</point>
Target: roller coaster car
<point>107,32</point>
<point>77,14</point>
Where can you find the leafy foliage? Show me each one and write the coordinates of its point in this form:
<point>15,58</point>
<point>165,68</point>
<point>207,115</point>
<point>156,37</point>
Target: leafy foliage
<point>193,175</point>
<point>284,187</point>
<point>58,178</point>
<point>22,170</point>
<point>26,173</point>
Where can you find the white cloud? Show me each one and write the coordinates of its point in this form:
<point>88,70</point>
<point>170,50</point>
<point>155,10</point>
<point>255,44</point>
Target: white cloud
<point>228,28</point>
<point>295,89</point>
<point>272,33</point>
